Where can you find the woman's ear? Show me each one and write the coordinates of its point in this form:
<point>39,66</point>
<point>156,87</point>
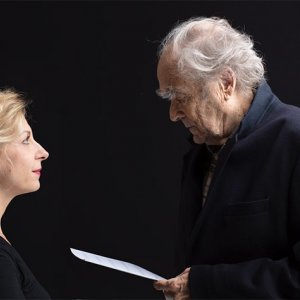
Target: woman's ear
<point>228,82</point>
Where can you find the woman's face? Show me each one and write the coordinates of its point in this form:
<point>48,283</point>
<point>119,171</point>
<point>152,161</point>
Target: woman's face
<point>21,163</point>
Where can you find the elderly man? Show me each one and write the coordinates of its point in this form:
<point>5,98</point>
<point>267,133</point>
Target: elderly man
<point>239,219</point>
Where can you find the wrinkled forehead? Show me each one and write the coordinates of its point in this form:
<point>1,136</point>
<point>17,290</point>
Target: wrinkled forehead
<point>171,81</point>
<point>167,64</point>
<point>167,72</point>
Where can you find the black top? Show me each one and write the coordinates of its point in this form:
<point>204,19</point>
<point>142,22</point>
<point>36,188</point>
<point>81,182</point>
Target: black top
<point>16,280</point>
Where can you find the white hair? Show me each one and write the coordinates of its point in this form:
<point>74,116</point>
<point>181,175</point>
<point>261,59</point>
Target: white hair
<point>205,47</point>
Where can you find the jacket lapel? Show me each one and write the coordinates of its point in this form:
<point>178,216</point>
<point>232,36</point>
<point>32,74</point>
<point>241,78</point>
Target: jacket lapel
<point>209,204</point>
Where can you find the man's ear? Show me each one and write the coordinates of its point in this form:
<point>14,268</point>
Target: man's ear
<point>228,82</point>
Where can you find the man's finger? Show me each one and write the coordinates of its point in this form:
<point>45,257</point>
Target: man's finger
<point>173,285</point>
<point>161,285</point>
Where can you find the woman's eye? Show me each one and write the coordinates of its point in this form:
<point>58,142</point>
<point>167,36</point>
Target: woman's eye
<point>26,141</point>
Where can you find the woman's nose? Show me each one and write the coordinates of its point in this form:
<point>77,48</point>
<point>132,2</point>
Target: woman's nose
<point>42,153</point>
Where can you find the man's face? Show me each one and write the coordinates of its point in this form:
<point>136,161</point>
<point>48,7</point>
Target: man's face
<point>203,112</point>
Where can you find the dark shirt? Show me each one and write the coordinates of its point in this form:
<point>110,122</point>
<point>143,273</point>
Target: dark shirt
<point>16,280</point>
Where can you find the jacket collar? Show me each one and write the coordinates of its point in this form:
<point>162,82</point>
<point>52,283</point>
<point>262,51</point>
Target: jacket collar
<point>263,101</point>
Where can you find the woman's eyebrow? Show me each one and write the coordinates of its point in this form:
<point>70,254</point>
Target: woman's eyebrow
<point>26,131</point>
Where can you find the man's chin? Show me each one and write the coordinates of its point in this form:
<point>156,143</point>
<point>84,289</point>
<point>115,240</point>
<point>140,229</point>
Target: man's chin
<point>198,140</point>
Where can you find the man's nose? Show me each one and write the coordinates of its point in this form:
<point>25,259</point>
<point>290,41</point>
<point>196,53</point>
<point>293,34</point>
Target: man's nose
<point>176,114</point>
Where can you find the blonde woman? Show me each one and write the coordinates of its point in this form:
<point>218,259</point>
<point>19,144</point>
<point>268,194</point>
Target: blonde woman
<point>20,169</point>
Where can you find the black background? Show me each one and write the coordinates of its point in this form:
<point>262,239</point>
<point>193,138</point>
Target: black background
<point>111,183</point>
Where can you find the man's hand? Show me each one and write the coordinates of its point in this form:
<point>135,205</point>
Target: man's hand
<point>175,287</point>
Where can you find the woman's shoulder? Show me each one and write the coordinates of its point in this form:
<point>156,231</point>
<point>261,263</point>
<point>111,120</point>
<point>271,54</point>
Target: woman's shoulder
<point>7,255</point>
<point>10,277</point>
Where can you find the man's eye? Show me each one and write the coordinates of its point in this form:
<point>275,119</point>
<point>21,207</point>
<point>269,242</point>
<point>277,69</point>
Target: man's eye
<point>181,100</point>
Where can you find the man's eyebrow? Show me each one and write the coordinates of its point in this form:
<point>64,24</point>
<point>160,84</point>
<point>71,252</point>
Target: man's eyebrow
<point>166,94</point>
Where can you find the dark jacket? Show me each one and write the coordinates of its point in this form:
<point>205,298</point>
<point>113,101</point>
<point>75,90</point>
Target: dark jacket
<point>245,241</point>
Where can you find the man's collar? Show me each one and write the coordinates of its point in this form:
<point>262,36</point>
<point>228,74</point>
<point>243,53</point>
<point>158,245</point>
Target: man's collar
<point>263,101</point>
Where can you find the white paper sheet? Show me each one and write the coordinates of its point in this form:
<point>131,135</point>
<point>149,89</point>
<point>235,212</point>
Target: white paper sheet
<point>116,264</point>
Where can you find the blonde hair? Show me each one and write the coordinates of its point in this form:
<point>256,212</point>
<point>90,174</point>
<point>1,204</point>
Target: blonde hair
<point>12,112</point>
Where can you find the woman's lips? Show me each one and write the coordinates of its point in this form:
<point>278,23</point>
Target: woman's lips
<point>38,172</point>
